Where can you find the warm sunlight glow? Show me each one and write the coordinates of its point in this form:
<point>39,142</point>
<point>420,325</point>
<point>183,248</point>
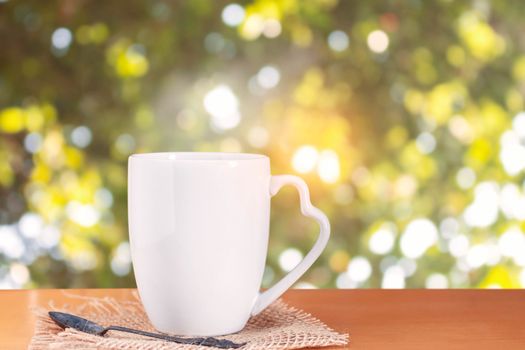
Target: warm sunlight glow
<point>378,41</point>
<point>223,106</point>
<point>305,159</point>
<point>328,167</point>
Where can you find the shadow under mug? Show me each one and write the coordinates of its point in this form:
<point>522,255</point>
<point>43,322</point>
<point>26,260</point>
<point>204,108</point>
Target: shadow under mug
<point>198,226</point>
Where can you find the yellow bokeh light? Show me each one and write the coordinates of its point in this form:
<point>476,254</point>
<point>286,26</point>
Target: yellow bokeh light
<point>339,261</point>
<point>479,37</point>
<point>34,118</point>
<point>424,66</point>
<point>52,153</point>
<point>518,69</point>
<point>414,101</point>
<point>301,35</point>
<point>6,172</point>
<point>479,153</point>
<point>252,27</point>
<point>328,167</point>
<point>92,34</point>
<point>396,136</point>
<point>456,55</point>
<point>305,159</point>
<point>41,173</point>
<point>131,64</point>
<point>442,100</point>
<point>514,100</point>
<point>127,59</point>
<point>308,91</point>
<point>12,120</point>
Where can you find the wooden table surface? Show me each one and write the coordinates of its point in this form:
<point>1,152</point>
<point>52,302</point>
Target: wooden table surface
<point>375,319</point>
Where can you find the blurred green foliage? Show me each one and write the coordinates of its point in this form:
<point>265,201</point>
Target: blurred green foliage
<point>405,117</point>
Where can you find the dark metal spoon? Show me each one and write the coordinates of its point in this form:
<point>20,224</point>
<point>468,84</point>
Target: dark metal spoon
<point>65,320</point>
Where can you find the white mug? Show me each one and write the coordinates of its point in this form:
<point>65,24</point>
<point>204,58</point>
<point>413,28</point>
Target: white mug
<point>198,226</point>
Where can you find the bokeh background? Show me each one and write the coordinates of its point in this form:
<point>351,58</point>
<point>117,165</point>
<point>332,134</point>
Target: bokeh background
<point>405,117</point>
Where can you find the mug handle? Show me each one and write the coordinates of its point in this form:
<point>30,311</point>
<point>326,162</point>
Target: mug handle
<point>307,209</point>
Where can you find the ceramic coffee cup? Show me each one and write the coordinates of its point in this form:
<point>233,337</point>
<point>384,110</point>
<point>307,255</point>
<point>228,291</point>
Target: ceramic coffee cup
<point>198,226</point>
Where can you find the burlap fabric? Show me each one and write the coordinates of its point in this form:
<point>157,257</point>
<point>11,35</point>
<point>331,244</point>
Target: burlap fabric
<point>280,326</point>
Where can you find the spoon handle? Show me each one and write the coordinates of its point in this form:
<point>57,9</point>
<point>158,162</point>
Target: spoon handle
<point>203,341</point>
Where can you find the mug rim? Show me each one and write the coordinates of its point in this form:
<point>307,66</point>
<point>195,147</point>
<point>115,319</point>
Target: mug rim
<point>198,156</point>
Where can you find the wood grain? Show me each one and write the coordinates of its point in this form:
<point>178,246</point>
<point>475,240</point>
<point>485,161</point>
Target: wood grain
<point>375,319</point>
